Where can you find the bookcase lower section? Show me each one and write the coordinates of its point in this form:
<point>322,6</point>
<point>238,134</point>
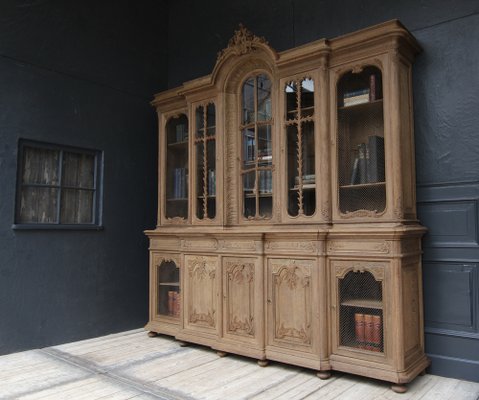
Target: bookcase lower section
<point>332,299</point>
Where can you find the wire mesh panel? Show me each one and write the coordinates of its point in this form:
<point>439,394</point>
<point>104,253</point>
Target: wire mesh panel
<point>168,281</point>
<point>361,164</point>
<point>361,312</point>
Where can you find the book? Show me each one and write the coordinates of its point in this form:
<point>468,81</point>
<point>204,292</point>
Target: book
<point>368,331</point>
<point>355,93</point>
<point>375,161</point>
<point>176,304</point>
<point>360,99</point>
<point>359,328</point>
<point>376,338</point>
<point>355,172</point>
<point>362,163</point>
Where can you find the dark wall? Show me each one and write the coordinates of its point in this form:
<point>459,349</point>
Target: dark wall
<point>80,74</point>
<point>446,98</point>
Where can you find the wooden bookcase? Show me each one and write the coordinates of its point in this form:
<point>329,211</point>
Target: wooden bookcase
<point>287,222</point>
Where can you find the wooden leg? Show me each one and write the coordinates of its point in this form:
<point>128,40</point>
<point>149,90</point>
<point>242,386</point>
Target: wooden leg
<point>183,344</point>
<point>221,353</point>
<point>323,374</point>
<point>263,363</point>
<point>152,334</point>
<point>423,372</point>
<point>399,388</point>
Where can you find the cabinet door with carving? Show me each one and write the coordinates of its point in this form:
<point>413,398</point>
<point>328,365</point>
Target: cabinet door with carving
<point>243,300</point>
<point>293,321</point>
<point>201,294</point>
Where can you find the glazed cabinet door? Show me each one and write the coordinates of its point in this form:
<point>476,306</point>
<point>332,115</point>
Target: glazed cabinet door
<point>165,295</point>
<point>201,293</point>
<point>243,301</point>
<point>293,320</point>
<point>360,318</point>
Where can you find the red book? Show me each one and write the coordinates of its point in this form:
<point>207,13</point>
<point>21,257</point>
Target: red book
<point>377,330</point>
<point>177,303</point>
<point>359,328</point>
<point>368,331</point>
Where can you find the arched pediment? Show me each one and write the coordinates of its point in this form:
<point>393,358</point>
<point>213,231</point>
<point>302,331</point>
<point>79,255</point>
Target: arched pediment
<point>244,51</point>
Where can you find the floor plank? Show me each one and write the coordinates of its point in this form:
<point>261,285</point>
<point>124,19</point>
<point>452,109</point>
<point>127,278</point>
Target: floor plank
<point>131,365</point>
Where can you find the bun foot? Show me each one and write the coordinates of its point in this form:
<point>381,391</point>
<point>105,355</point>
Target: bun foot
<point>183,344</point>
<point>323,374</point>
<point>221,353</point>
<point>423,372</point>
<point>263,363</point>
<point>152,334</point>
<point>399,388</point>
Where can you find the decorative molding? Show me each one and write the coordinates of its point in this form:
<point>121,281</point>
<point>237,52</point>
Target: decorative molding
<point>309,246</point>
<point>362,213</point>
<point>237,244</point>
<point>382,247</point>
<point>376,270</point>
<point>236,326</point>
<point>242,42</point>
<point>206,244</point>
<point>208,318</point>
<point>303,334</point>
<point>177,220</point>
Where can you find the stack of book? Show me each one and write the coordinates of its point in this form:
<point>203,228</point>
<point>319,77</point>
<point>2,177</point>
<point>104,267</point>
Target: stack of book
<point>266,182</point>
<point>173,303</point>
<point>368,166</point>
<point>308,181</point>
<point>180,179</point>
<point>368,331</point>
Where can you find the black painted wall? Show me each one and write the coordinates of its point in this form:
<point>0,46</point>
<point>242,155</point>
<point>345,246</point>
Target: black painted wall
<point>446,94</point>
<point>80,74</point>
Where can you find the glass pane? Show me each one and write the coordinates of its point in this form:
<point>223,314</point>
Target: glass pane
<point>265,156</point>
<point>176,169</point>
<point>78,170</point>
<point>292,165</point>
<point>309,176</point>
<point>361,142</point>
<point>249,148</point>
<point>210,115</point>
<point>264,98</point>
<point>168,301</point>
<point>76,206</point>
<point>200,186</point>
<point>266,206</point>
<point>38,205</point>
<point>265,178</point>
<point>249,194</point>
<point>307,97</point>
<point>40,166</point>
<point>200,122</point>
<point>248,111</point>
<point>291,103</point>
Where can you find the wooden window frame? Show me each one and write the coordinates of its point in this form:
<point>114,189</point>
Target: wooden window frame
<point>97,189</point>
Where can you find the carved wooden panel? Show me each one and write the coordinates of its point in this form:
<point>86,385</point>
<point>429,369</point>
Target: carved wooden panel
<point>201,291</point>
<point>239,296</point>
<point>291,301</point>
<point>412,320</point>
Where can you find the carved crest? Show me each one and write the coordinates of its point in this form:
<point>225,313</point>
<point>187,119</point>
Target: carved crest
<point>242,42</point>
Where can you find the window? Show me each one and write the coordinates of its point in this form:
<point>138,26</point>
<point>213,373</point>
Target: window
<point>57,186</point>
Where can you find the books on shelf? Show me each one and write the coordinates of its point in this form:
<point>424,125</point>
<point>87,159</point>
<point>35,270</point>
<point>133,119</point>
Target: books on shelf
<point>356,97</point>
<point>180,181</point>
<point>368,166</point>
<point>174,303</point>
<point>368,331</point>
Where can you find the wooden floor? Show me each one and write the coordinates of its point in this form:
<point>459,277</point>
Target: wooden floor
<point>130,365</point>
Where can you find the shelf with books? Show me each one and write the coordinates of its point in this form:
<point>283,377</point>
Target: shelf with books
<point>361,107</point>
<point>181,144</point>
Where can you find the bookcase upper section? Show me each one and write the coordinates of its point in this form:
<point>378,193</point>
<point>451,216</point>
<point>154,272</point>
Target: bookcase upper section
<point>318,134</point>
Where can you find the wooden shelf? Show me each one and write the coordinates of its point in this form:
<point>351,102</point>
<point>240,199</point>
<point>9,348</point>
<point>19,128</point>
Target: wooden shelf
<point>307,186</point>
<point>179,199</point>
<point>364,303</point>
<point>361,107</point>
<point>178,144</point>
<point>177,284</point>
<point>364,185</point>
